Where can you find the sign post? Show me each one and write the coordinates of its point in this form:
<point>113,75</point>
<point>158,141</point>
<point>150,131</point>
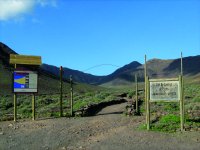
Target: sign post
<point>33,107</point>
<point>181,103</point>
<point>25,81</point>
<point>147,103</point>
<point>15,101</point>
<point>182,95</point>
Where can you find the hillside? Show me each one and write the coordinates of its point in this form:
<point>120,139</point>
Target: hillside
<point>48,82</point>
<point>157,68</point>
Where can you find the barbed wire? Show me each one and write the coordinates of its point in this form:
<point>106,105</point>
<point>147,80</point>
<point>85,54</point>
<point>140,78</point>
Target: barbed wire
<point>96,66</point>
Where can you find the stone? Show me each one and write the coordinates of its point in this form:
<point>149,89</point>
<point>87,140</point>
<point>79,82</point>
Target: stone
<point>10,125</point>
<point>77,132</point>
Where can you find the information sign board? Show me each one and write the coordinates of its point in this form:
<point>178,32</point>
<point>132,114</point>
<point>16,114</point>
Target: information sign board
<point>25,82</point>
<point>164,91</point>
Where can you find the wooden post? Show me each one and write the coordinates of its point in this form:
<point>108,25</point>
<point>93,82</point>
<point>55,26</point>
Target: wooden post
<point>61,91</point>
<point>181,63</point>
<point>72,103</point>
<point>145,78</point>
<point>136,93</point>
<point>181,103</point>
<point>182,86</point>
<point>15,100</point>
<point>33,106</point>
<point>148,104</point>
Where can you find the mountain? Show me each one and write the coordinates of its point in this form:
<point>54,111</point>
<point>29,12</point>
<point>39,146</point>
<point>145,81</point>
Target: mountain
<point>78,76</point>
<point>156,68</point>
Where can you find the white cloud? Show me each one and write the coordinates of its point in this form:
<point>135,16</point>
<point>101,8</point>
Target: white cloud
<point>36,21</point>
<point>43,3</point>
<point>12,9</point>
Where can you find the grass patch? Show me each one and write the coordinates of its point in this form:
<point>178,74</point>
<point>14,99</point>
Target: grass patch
<point>168,123</point>
<point>142,127</point>
<point>48,105</point>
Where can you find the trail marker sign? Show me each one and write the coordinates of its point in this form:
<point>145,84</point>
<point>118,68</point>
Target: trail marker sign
<point>25,82</point>
<point>164,90</point>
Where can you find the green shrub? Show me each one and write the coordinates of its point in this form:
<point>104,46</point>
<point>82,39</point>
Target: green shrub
<point>168,123</point>
<point>171,107</point>
<point>196,99</point>
<point>131,94</point>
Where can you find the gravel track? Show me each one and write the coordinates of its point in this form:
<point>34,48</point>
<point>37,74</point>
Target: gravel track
<point>108,130</point>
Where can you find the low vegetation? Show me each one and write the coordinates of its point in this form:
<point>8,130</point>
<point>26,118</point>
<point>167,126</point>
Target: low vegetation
<point>49,105</point>
<point>165,117</point>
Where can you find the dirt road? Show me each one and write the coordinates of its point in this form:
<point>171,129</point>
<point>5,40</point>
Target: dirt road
<point>108,130</point>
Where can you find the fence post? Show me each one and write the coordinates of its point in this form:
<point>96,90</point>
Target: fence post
<point>71,89</point>
<point>136,93</point>
<point>61,91</point>
<point>145,78</point>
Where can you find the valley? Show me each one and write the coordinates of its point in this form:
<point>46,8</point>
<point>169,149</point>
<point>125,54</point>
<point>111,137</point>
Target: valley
<point>113,127</point>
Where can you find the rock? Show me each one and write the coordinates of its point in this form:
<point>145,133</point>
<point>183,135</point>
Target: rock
<point>79,113</point>
<point>15,127</point>
<point>1,133</point>
<point>195,139</point>
<point>77,132</point>
<point>10,125</point>
<point>63,148</point>
<point>192,130</point>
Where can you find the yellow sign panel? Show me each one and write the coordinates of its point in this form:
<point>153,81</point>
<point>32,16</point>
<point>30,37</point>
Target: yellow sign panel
<point>25,60</point>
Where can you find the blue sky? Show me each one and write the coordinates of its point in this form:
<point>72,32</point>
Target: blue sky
<point>80,34</point>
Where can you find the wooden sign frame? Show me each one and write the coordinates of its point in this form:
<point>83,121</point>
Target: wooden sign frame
<point>30,61</point>
<point>181,92</point>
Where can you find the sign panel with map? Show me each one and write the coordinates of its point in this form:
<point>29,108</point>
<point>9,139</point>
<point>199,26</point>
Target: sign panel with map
<point>25,82</point>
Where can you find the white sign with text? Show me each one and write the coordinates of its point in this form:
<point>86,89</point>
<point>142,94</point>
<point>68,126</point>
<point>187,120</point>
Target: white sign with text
<point>164,91</point>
